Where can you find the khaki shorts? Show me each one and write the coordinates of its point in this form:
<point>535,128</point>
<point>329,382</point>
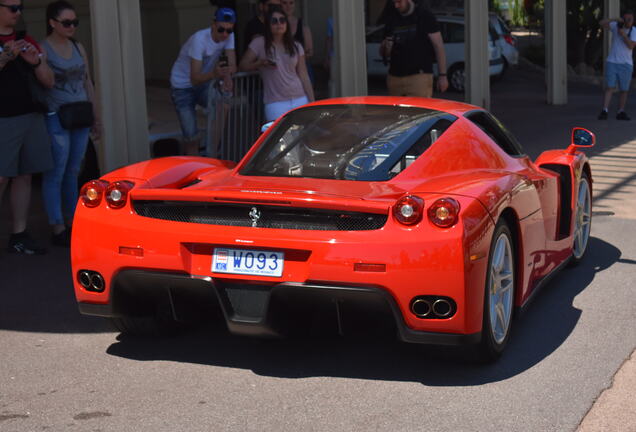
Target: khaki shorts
<point>420,85</point>
<point>25,145</point>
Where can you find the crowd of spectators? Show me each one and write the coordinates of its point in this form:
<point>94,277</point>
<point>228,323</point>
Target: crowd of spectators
<point>47,112</point>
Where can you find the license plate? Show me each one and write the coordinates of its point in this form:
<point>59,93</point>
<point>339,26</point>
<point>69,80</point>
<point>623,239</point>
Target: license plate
<point>248,262</point>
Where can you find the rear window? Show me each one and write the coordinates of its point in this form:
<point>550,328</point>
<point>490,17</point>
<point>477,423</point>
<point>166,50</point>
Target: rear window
<point>348,142</point>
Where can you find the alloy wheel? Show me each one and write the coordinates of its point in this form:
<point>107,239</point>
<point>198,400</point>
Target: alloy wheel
<point>501,287</point>
<point>583,219</point>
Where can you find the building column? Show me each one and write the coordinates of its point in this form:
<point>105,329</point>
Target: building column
<point>350,55</point>
<point>556,52</point>
<point>611,9</point>
<point>119,70</point>
<point>477,62</point>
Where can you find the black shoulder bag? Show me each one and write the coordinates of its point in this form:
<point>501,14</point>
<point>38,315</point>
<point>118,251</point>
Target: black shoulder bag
<point>76,115</point>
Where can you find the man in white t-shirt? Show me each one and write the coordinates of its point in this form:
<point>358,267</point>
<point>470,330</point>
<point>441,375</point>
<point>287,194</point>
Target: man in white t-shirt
<point>208,55</point>
<point>619,64</point>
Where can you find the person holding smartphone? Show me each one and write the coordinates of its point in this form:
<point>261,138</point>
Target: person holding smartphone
<point>23,138</point>
<point>281,63</point>
<point>207,55</point>
<point>619,64</point>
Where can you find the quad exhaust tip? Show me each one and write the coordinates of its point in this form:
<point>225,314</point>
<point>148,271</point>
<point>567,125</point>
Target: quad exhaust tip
<point>91,280</point>
<point>433,307</point>
<point>421,307</point>
<point>442,308</point>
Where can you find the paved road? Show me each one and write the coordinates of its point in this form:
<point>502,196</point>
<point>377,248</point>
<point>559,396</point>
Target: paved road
<point>60,371</point>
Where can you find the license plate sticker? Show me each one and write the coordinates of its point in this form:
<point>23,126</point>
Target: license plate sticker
<point>248,262</point>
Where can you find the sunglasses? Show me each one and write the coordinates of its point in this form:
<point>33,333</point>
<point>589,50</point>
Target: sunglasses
<point>280,20</point>
<point>13,8</point>
<point>224,30</point>
<point>68,23</point>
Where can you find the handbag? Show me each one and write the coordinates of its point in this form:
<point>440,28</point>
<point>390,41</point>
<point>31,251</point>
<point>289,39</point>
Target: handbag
<point>76,115</point>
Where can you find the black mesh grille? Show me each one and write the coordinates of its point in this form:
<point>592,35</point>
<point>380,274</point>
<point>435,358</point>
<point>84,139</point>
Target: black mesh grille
<point>259,216</point>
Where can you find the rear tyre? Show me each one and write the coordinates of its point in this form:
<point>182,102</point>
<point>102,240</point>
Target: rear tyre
<point>137,326</point>
<point>160,324</point>
<point>582,220</point>
<point>501,74</point>
<point>457,78</point>
<point>499,295</point>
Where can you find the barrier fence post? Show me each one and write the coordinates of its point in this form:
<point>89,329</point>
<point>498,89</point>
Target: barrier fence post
<point>234,125</point>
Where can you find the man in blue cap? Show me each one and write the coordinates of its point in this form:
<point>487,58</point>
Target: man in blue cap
<point>209,54</point>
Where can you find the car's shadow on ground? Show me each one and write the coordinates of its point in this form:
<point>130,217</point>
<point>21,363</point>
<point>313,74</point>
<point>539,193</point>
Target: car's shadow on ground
<point>37,295</point>
<point>545,325</point>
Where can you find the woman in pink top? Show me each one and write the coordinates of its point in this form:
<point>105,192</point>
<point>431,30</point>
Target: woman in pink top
<point>281,63</point>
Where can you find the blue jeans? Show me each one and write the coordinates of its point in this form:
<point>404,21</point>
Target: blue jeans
<point>59,184</point>
<point>185,101</point>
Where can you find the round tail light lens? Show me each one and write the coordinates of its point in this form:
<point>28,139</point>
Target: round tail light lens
<point>117,194</point>
<point>444,212</point>
<point>408,210</point>
<point>92,192</point>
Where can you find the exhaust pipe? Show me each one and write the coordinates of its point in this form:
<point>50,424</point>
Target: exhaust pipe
<point>442,308</point>
<point>84,279</point>
<point>421,308</point>
<point>97,282</point>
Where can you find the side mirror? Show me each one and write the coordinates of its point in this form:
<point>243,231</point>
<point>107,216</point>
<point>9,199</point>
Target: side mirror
<point>581,138</point>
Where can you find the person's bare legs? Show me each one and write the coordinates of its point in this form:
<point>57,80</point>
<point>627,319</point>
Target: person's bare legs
<point>3,185</point>
<point>607,97</point>
<point>20,200</point>
<point>622,100</point>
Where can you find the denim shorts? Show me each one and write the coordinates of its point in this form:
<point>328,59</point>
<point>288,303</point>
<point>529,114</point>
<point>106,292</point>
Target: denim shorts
<point>618,73</point>
<point>185,101</point>
<point>274,110</point>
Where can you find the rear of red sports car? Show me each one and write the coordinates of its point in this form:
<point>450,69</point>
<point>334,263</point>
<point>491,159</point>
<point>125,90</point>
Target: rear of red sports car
<point>327,221</point>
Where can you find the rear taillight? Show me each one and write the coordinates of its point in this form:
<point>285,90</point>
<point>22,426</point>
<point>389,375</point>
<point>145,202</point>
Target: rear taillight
<point>92,192</point>
<point>408,210</point>
<point>444,212</point>
<point>117,194</point>
<point>510,39</point>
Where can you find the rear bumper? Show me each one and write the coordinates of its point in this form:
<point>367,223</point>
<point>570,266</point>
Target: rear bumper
<point>265,310</point>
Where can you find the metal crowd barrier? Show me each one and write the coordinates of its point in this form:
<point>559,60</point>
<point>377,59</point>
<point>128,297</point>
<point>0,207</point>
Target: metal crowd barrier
<point>235,123</point>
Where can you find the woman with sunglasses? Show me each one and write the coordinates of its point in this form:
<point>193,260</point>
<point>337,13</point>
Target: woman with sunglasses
<point>281,63</point>
<point>67,59</point>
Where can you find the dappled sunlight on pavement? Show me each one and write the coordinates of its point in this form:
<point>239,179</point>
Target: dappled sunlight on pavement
<point>614,187</point>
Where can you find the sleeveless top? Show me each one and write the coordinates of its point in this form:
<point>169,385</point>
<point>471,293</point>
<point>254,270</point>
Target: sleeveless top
<point>70,75</point>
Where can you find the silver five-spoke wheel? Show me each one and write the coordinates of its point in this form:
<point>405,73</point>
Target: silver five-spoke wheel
<point>500,289</point>
<point>583,218</point>
<point>499,294</point>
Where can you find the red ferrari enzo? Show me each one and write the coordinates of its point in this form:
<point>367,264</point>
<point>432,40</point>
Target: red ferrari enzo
<point>420,216</point>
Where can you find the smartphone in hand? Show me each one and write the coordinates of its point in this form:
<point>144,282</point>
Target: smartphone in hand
<point>223,60</point>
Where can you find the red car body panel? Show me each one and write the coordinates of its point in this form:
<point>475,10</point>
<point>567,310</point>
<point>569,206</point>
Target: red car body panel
<point>423,259</point>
